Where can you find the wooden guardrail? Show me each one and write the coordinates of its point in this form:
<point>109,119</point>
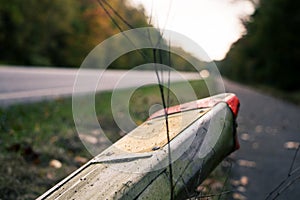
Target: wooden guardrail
<point>202,134</point>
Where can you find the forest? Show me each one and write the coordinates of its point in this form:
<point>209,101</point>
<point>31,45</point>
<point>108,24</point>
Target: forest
<point>63,32</point>
<point>269,52</point>
<point>58,32</point>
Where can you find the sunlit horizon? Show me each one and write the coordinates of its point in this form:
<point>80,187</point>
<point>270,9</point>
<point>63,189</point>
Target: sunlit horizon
<point>213,24</point>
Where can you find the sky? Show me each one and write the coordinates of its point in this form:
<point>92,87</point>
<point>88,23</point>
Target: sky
<point>212,24</point>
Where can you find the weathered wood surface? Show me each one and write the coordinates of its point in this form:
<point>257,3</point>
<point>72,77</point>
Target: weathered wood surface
<point>136,166</point>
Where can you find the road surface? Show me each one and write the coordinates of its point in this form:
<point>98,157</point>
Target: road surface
<point>27,84</point>
<point>269,131</point>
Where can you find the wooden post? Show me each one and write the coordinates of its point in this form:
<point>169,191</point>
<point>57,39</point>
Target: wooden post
<point>136,167</point>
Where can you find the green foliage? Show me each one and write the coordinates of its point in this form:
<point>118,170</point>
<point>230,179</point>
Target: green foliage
<point>270,51</point>
<point>32,30</point>
<point>63,32</point>
<point>57,32</point>
<point>177,62</point>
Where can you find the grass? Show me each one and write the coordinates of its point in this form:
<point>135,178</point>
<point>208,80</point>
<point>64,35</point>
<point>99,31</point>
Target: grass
<point>33,135</point>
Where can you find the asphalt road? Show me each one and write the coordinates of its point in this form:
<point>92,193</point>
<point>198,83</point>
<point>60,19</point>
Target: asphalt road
<point>29,84</point>
<point>269,128</point>
<point>269,131</point>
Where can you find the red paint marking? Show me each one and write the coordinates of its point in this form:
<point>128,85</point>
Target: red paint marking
<point>230,99</point>
<point>233,103</point>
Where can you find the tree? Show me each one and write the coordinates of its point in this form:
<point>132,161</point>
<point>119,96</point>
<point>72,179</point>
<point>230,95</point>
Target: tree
<point>31,29</point>
<point>57,32</point>
<point>270,51</point>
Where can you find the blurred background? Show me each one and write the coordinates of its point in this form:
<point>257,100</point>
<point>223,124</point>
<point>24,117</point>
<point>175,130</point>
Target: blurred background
<point>253,42</point>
